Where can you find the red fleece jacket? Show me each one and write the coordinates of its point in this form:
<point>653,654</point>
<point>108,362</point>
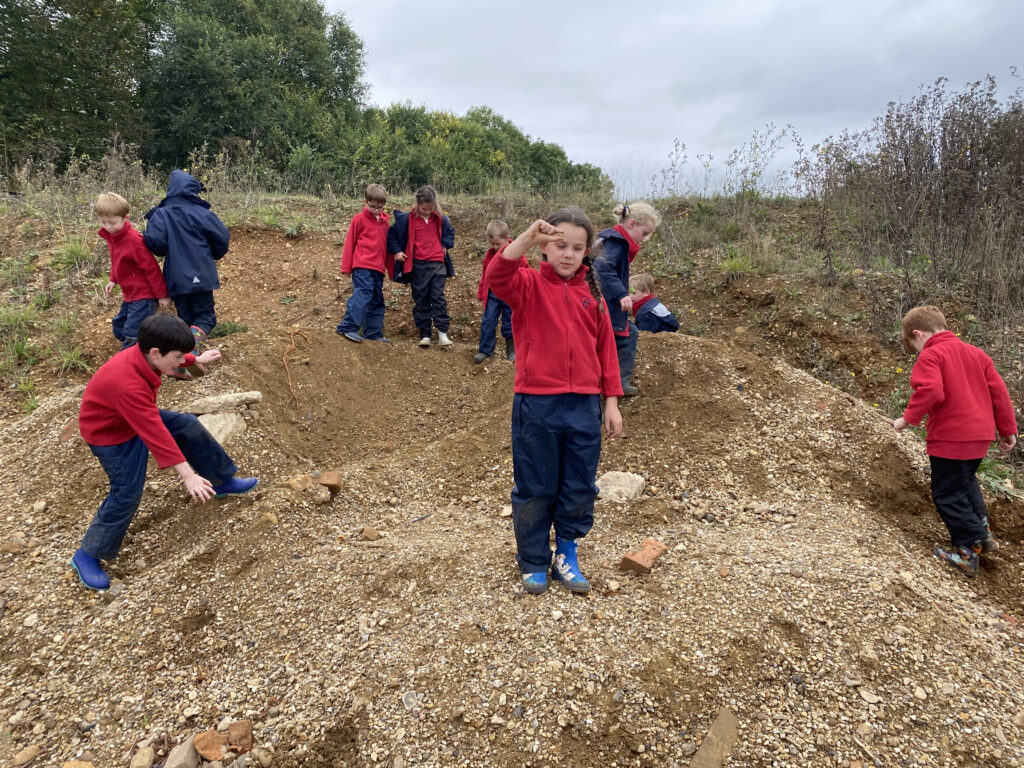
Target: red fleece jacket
<point>120,403</point>
<point>564,341</point>
<point>133,266</point>
<point>366,243</point>
<point>481,289</point>
<point>966,401</point>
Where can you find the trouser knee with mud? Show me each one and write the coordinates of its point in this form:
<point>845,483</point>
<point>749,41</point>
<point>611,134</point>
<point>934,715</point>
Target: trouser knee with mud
<point>125,465</point>
<point>958,499</point>
<point>556,444</point>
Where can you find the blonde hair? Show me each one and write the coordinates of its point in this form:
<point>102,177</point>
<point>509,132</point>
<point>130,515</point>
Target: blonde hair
<point>375,193</point>
<point>643,282</point>
<point>928,318</point>
<point>641,210</point>
<point>111,204</point>
<point>497,228</point>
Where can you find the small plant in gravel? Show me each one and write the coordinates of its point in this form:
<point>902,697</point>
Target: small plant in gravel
<point>71,360</point>
<point>71,256</point>
<point>27,388</point>
<point>733,266</point>
<point>227,328</point>
<point>996,477</point>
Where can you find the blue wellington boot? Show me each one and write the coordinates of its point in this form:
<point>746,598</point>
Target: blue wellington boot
<point>535,583</point>
<point>90,571</point>
<point>566,568</point>
<point>235,486</point>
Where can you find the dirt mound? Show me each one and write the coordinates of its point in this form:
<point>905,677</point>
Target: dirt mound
<point>798,589</point>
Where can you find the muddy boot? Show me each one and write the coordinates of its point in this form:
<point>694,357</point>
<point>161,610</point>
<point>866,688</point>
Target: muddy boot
<point>628,390</point>
<point>479,357</point>
<point>510,350</point>
<point>989,543</point>
<point>535,583</point>
<point>566,568</point>
<point>963,559</point>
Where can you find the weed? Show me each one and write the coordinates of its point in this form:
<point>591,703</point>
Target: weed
<point>17,320</point>
<point>286,300</point>
<point>64,326</point>
<point>733,266</point>
<point>228,327</point>
<point>294,231</point>
<point>73,255</point>
<point>71,360</point>
<point>996,477</point>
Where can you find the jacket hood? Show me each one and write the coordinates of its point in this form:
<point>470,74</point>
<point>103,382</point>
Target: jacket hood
<point>182,183</point>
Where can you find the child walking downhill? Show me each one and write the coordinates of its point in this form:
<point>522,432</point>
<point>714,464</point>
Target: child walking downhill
<point>120,422</point>
<point>419,241</point>
<point>132,266</point>
<point>191,238</point>
<point>494,308</point>
<point>620,245</point>
<point>566,364</point>
<point>966,401</point>
<point>364,258</point>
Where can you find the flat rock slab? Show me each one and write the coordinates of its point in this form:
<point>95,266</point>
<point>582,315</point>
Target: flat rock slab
<point>620,486</point>
<point>225,402</point>
<point>223,426</point>
<point>719,742</point>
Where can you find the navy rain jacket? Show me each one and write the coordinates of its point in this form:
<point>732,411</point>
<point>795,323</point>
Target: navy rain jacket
<point>612,267</point>
<point>189,236</point>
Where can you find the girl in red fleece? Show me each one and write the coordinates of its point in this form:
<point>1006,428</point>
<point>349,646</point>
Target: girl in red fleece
<point>565,365</point>
<point>966,401</point>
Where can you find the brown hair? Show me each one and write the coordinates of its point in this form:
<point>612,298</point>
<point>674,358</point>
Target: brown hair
<point>929,319</point>
<point>375,193</point>
<point>497,228</point>
<point>642,282</point>
<point>111,204</point>
<point>578,218</point>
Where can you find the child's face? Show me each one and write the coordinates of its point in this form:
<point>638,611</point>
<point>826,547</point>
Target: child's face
<point>376,207</point>
<point>165,364</point>
<point>498,242</point>
<point>425,209</point>
<point>113,224</point>
<point>640,233</point>
<point>566,254</point>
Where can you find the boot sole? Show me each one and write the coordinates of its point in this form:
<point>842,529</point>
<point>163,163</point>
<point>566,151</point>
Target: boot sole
<point>573,586</point>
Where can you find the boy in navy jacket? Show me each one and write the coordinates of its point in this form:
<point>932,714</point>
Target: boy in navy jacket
<point>966,401</point>
<point>649,313</point>
<point>191,238</point>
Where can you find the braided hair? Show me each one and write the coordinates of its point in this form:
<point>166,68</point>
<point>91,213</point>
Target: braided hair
<point>578,218</point>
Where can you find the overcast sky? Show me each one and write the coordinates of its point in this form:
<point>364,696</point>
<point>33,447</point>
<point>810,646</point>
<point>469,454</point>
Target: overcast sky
<point>615,83</point>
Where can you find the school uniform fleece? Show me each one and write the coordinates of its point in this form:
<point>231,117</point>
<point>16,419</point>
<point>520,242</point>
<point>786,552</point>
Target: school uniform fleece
<point>653,316</point>
<point>132,265</point>
<point>365,258</point>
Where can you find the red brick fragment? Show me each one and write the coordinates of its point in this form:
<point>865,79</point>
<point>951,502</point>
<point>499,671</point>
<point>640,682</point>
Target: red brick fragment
<point>331,480</point>
<point>642,560</point>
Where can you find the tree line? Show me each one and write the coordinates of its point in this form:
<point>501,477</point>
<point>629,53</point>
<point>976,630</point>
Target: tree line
<point>277,82</point>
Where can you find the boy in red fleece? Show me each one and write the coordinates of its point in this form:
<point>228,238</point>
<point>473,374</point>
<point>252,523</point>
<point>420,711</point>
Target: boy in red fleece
<point>966,401</point>
<point>120,422</point>
<point>495,309</point>
<point>364,258</point>
<point>132,266</point>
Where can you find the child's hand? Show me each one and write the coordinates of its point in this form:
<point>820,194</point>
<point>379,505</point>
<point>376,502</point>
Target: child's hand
<point>626,303</point>
<point>540,232</point>
<point>209,356</point>
<point>899,424</point>
<point>400,256</point>
<point>1006,443</point>
<point>165,302</point>
<point>612,417</point>
<point>108,288</point>
<point>199,488</point>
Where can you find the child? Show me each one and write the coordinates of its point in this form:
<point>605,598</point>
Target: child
<point>566,364</point>
<point>132,267</point>
<point>621,243</point>
<point>494,308</point>
<point>956,386</point>
<point>419,241</point>
<point>120,422</point>
<point>184,230</point>
<point>651,315</point>
<point>364,258</point>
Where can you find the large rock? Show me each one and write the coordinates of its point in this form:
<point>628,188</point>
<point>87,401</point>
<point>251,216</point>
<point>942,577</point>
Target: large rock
<point>144,758</point>
<point>620,486</point>
<point>240,735</point>
<point>183,756</point>
<point>222,403</point>
<point>211,745</point>
<point>223,426</point>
